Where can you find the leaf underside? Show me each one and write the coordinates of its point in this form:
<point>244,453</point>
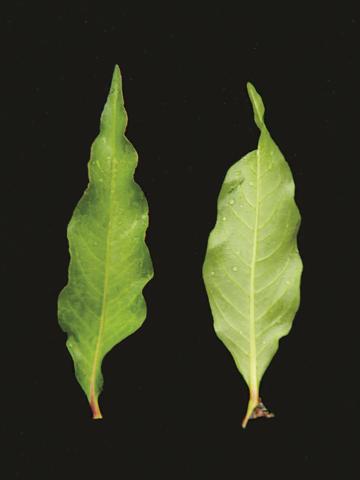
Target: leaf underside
<point>110,264</point>
<point>252,267</point>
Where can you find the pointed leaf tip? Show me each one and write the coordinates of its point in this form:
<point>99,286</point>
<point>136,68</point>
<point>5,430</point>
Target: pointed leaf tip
<point>257,104</point>
<point>116,82</point>
<point>117,70</point>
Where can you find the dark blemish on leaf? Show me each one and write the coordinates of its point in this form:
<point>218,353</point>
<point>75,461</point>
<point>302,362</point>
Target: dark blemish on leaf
<point>235,184</point>
<point>261,411</point>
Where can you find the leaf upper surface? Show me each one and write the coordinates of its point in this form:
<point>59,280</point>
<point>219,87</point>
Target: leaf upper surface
<point>252,267</point>
<point>110,264</point>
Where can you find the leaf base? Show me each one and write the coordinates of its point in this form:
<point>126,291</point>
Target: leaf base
<point>256,410</point>
<point>95,409</point>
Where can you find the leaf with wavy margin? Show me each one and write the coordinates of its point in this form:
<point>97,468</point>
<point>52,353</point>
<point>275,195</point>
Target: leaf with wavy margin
<point>110,264</point>
<point>252,268</point>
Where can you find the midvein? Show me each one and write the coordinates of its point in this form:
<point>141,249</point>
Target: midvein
<point>252,334</point>
<point>106,267</point>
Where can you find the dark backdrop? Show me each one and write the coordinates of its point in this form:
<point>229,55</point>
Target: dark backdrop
<point>173,400</point>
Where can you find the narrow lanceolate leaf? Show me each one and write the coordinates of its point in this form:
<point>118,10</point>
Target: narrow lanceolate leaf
<point>110,264</point>
<point>252,267</point>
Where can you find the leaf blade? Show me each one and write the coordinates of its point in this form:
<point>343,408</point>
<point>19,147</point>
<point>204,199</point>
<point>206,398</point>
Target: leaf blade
<point>252,253</point>
<point>109,262</point>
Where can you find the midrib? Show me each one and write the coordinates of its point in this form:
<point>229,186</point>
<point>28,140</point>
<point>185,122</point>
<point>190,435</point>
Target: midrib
<point>252,334</point>
<point>106,267</point>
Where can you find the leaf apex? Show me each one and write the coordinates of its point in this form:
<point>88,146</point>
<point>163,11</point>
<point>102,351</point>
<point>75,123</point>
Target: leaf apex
<point>116,82</point>
<point>257,104</point>
<point>249,86</point>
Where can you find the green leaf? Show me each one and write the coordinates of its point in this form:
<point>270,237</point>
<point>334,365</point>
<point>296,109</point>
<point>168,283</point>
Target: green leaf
<point>252,267</point>
<point>110,264</point>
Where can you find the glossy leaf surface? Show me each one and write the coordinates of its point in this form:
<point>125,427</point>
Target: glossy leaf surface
<point>102,303</point>
<point>252,267</point>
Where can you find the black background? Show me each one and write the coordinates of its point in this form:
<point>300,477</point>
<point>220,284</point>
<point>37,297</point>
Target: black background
<point>173,400</point>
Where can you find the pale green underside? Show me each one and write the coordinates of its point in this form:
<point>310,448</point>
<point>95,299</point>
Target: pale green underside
<point>110,264</point>
<point>252,267</point>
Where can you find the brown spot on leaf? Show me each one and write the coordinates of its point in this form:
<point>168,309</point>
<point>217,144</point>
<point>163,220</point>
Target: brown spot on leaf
<point>261,411</point>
